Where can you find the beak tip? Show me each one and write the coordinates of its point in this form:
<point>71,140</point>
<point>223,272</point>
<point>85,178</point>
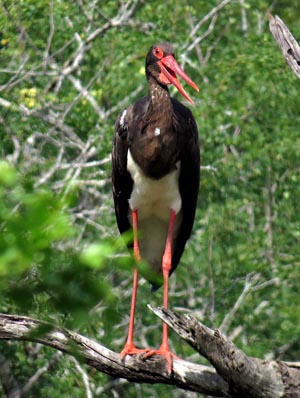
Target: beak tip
<point>190,101</point>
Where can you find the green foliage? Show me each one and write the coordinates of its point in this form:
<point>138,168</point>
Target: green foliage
<point>60,255</point>
<point>35,274</point>
<point>30,222</point>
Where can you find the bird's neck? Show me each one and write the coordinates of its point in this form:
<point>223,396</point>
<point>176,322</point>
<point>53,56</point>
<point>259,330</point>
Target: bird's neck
<point>159,98</point>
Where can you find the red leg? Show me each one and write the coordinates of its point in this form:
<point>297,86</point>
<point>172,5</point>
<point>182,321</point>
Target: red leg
<point>164,349</point>
<point>166,267</point>
<point>129,348</point>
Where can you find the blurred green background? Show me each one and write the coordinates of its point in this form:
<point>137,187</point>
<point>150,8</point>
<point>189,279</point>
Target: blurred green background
<point>66,70</point>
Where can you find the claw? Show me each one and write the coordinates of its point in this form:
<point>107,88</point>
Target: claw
<point>164,352</point>
<point>131,349</point>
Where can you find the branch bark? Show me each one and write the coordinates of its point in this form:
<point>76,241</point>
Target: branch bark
<point>246,377</point>
<point>232,374</point>
<point>185,375</point>
<point>286,42</point>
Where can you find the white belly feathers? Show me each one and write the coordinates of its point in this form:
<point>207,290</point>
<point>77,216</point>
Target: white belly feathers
<point>154,199</point>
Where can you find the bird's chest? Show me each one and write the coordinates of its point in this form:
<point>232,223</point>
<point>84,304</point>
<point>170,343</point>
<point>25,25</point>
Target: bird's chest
<point>154,197</point>
<point>155,149</point>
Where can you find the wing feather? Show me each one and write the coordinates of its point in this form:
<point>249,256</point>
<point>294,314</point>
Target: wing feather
<point>121,179</point>
<point>189,179</point>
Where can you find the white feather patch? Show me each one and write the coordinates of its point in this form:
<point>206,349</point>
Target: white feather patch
<point>154,199</point>
<point>122,119</point>
<point>156,131</point>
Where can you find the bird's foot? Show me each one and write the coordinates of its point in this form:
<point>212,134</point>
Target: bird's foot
<point>164,352</point>
<point>131,349</point>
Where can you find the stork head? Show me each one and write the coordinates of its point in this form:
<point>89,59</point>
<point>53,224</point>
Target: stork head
<point>162,66</point>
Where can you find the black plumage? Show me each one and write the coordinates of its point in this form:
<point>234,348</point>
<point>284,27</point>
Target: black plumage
<point>162,154</point>
<point>157,155</point>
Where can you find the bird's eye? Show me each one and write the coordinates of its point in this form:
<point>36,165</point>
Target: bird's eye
<point>158,52</point>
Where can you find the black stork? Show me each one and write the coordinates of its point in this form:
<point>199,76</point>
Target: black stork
<point>155,174</point>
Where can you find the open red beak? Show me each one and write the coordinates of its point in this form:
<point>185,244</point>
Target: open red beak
<point>169,70</point>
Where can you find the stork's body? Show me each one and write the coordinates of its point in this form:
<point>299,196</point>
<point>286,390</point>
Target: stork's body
<point>156,177</point>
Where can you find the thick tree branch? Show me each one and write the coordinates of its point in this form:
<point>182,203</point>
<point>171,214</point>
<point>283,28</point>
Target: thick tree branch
<point>247,377</point>
<point>185,375</point>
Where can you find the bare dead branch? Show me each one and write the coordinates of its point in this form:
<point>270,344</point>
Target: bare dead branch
<point>51,33</point>
<point>195,38</point>
<point>38,374</point>
<point>270,217</point>
<point>246,377</point>
<point>286,42</point>
<point>205,19</point>
<point>252,283</point>
<point>84,376</point>
<point>7,379</point>
<point>185,375</point>
<point>244,16</point>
